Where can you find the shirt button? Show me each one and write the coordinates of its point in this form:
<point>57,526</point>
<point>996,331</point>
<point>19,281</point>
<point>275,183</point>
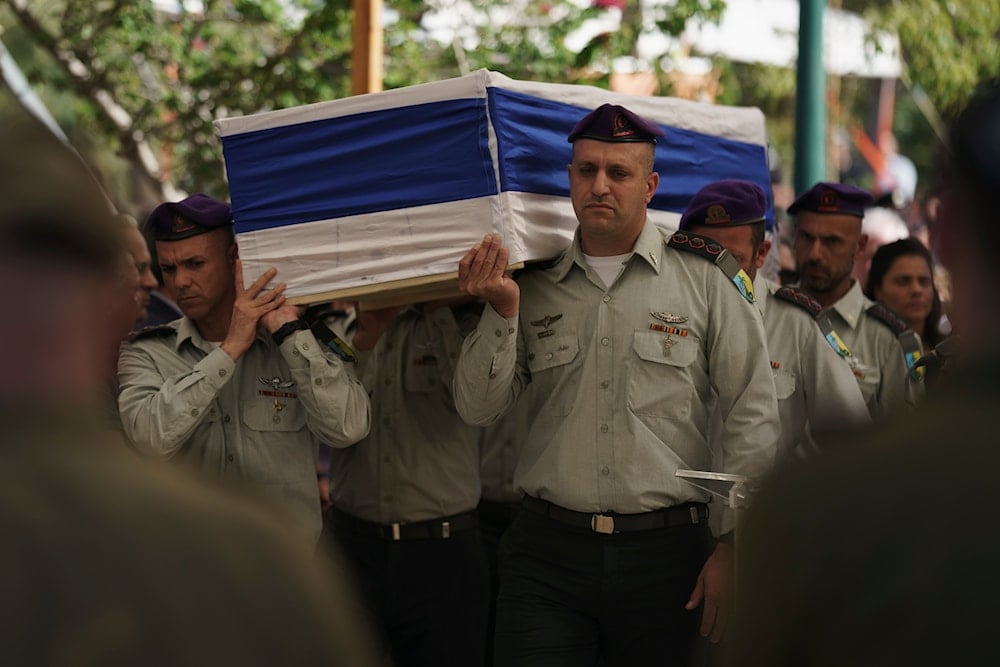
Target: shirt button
<point>605,341</point>
<point>194,413</point>
<point>605,471</point>
<point>222,372</point>
<point>305,346</point>
<point>605,384</point>
<point>531,356</point>
<point>276,419</point>
<point>493,376</point>
<point>318,381</point>
<point>498,333</point>
<point>510,330</point>
<point>549,356</point>
<point>230,458</point>
<point>227,419</point>
<point>604,428</point>
<point>607,298</point>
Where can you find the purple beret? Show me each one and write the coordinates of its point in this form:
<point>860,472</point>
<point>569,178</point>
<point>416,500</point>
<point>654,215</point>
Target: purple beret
<point>833,198</point>
<point>197,214</point>
<point>726,203</point>
<point>611,122</point>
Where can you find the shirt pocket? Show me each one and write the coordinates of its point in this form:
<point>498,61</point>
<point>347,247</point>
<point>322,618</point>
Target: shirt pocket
<point>660,383</point>
<point>784,384</point>
<point>553,373</point>
<point>274,414</point>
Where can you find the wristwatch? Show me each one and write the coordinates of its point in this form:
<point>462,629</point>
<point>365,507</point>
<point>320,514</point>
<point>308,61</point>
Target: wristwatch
<point>287,329</point>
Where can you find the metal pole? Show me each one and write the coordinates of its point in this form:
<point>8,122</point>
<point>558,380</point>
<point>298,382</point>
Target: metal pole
<point>810,103</point>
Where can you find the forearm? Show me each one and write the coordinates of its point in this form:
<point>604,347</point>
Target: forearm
<point>336,403</point>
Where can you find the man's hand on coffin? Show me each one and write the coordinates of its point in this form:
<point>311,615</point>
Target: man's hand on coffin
<point>482,273</point>
<point>371,324</point>
<point>250,306</point>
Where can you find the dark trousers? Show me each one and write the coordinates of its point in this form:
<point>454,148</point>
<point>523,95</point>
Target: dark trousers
<point>428,598</point>
<point>569,596</point>
<point>494,519</point>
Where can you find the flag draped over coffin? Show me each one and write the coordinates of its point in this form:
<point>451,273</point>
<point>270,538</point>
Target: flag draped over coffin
<point>399,184</point>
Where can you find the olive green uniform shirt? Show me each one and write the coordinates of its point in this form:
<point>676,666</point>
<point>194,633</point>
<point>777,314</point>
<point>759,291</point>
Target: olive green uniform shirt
<point>420,461</point>
<point>876,355</point>
<point>815,386</point>
<point>618,402</point>
<point>259,419</point>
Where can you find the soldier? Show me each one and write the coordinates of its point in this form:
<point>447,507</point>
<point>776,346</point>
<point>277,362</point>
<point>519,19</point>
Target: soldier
<point>623,339</point>
<point>239,388</point>
<point>815,387</point>
<point>828,240</point>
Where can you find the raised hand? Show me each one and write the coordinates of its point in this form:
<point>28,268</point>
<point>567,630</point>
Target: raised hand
<point>251,305</point>
<point>482,273</point>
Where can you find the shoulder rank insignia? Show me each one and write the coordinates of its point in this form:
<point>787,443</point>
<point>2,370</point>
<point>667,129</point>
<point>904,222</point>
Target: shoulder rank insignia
<point>333,342</point>
<point>908,338</point>
<point>159,331</point>
<point>715,253</point>
<point>800,299</point>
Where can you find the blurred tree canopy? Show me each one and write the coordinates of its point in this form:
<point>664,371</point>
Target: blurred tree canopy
<point>143,84</point>
<point>146,83</point>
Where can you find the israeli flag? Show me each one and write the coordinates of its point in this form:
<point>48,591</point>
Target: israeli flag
<point>392,188</point>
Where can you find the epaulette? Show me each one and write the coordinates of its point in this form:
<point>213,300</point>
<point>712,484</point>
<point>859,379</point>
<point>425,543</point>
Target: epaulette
<point>713,251</point>
<point>540,265</point>
<point>888,318</point>
<point>908,339</point>
<point>800,299</point>
<point>158,331</point>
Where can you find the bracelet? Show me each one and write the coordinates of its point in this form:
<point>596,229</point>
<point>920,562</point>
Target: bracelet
<point>287,329</point>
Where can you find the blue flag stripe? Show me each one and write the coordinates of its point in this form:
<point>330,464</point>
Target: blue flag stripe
<point>533,153</point>
<point>363,163</point>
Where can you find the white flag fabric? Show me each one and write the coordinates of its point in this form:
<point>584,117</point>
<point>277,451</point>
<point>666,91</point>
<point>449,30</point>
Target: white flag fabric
<point>399,184</point>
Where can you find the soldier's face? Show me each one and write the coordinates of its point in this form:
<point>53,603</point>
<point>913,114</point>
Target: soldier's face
<point>198,273</point>
<point>826,247</point>
<point>610,185</point>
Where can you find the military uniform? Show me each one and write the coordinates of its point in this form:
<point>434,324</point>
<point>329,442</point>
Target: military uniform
<point>877,358</point>
<point>258,420</point>
<point>815,387</point>
<point>621,378</point>
<point>405,496</point>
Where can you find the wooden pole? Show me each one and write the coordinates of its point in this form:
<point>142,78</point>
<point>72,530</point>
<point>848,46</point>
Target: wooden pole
<point>366,67</point>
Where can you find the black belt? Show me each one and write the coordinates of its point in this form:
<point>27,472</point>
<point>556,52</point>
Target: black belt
<point>433,529</point>
<point>688,514</point>
<point>498,512</point>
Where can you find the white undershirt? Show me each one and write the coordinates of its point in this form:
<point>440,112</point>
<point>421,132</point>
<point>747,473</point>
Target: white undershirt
<point>607,268</point>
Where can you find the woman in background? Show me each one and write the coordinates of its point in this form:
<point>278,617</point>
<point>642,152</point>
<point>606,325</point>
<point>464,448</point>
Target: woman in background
<point>901,278</point>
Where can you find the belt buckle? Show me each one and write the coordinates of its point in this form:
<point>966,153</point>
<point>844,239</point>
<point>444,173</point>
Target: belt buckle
<point>395,532</point>
<point>602,523</point>
<point>445,529</point>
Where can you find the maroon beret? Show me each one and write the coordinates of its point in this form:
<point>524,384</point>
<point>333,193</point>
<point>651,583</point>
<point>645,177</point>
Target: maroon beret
<point>193,215</point>
<point>726,203</point>
<point>833,198</point>
<point>611,122</point>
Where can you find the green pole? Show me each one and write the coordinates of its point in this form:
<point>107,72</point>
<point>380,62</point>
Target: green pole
<point>810,103</point>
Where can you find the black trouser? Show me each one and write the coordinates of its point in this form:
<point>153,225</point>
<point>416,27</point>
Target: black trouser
<point>573,597</point>
<point>494,519</point>
<point>428,597</point>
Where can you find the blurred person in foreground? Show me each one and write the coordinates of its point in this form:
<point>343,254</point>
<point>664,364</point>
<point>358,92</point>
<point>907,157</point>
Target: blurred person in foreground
<point>106,559</point>
<point>886,553</point>
<point>902,277</point>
